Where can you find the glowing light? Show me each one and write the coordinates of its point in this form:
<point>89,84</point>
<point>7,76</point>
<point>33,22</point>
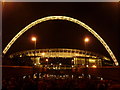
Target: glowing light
<point>43,54</point>
<point>86,65</point>
<point>60,63</point>
<point>54,68</point>
<point>94,66</point>
<point>62,18</point>
<point>35,64</point>
<point>101,78</point>
<point>20,55</point>
<point>24,77</point>
<point>80,77</point>
<point>89,76</point>
<point>77,54</point>
<point>86,39</point>
<point>34,76</point>
<point>33,39</point>
<point>94,57</point>
<point>91,60</point>
<point>46,60</point>
<point>72,76</point>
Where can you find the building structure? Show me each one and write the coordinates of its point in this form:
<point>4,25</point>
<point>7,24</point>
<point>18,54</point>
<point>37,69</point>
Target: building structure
<point>62,58</point>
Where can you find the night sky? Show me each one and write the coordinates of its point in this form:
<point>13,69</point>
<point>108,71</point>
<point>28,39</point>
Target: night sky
<point>102,17</point>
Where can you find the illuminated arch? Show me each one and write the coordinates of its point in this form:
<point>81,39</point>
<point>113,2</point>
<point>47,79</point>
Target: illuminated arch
<point>62,18</point>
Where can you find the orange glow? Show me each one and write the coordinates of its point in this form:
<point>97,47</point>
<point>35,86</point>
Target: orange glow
<point>33,39</point>
<point>2,1</point>
<point>43,53</point>
<point>86,39</point>
<point>94,66</point>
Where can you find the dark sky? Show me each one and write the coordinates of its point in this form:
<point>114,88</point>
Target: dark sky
<point>102,17</point>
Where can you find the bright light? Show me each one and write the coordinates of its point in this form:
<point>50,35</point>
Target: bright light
<point>72,76</point>
<point>72,60</point>
<point>80,77</point>
<point>53,67</point>
<point>89,76</point>
<point>34,76</point>
<point>51,63</point>
<point>60,63</point>
<point>56,67</point>
<point>43,54</point>
<point>20,55</point>
<point>86,65</point>
<point>35,64</point>
<point>101,78</point>
<point>33,39</point>
<point>94,66</point>
<point>91,60</point>
<point>24,77</point>
<point>77,54</point>
<point>86,39</point>
<point>46,60</point>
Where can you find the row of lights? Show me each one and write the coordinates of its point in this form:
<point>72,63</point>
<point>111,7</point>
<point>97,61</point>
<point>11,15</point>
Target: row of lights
<point>60,76</point>
<point>93,66</point>
<point>51,64</point>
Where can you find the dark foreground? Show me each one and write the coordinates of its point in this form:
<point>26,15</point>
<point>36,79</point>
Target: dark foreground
<point>27,83</point>
<point>22,78</point>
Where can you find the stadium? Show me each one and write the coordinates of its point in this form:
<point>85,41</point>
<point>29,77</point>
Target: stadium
<point>62,58</point>
<point>54,66</point>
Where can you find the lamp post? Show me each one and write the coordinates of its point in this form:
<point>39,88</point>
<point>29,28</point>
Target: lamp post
<point>34,40</point>
<point>86,40</point>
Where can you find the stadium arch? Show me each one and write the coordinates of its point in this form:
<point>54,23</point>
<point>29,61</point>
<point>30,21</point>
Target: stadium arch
<point>61,18</point>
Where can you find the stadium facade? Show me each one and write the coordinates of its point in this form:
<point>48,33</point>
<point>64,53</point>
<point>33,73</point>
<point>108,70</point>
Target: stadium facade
<point>61,58</point>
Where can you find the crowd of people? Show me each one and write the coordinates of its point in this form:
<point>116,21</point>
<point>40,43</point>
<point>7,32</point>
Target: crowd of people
<point>29,83</point>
